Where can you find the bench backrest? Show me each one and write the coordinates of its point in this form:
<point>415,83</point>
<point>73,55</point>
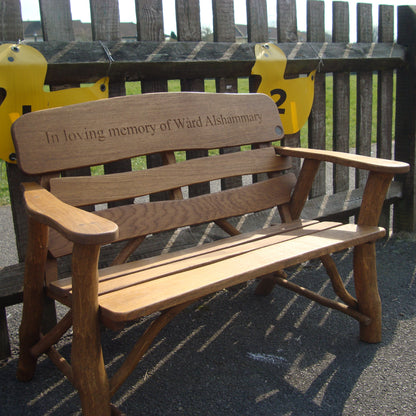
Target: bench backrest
<point>51,141</point>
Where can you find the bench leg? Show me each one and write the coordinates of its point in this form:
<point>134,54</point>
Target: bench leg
<point>89,375</point>
<point>33,298</point>
<point>268,282</point>
<point>369,303</point>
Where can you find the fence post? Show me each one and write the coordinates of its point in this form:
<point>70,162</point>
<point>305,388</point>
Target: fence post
<point>405,209</point>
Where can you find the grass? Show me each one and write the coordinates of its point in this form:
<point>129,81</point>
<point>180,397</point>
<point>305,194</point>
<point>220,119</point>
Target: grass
<point>174,85</point>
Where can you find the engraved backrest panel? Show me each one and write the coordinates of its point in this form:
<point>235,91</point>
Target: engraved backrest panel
<point>123,127</point>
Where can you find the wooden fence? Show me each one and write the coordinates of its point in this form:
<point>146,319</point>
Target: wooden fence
<point>153,61</point>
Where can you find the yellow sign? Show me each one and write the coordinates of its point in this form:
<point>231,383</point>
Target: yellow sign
<point>293,97</point>
<point>22,75</point>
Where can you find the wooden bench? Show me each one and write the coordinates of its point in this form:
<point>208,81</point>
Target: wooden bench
<point>54,141</point>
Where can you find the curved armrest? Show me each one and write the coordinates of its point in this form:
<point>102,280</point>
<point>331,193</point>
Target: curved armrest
<point>76,225</point>
<point>347,159</point>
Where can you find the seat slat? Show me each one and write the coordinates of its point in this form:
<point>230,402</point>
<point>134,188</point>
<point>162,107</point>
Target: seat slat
<point>149,297</point>
<point>153,217</point>
<point>80,191</point>
<point>171,290</point>
<point>126,274</point>
<point>173,280</point>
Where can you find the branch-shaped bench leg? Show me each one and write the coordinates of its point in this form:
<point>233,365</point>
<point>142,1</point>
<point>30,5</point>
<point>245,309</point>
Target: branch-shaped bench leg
<point>369,303</point>
<point>90,377</point>
<point>33,298</point>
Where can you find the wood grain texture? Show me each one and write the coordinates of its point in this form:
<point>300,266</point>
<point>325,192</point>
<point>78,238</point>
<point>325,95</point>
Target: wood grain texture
<point>56,20</point>
<point>105,20</point>
<point>141,271</point>
<point>156,60</point>
<point>364,92</point>
<point>33,297</point>
<point>257,25</point>
<point>348,159</point>
<point>79,191</point>
<point>317,117</point>
<point>77,225</point>
<point>341,96</point>
<point>11,26</point>
<point>107,130</point>
<point>88,369</point>
<point>369,303</point>
<point>164,215</point>
<point>181,287</point>
<point>147,287</point>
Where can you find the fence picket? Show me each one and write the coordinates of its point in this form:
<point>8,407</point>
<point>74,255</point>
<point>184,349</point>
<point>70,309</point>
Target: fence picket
<point>341,105</point>
<point>287,31</point>
<point>364,92</point>
<point>189,29</point>
<point>317,118</point>
<point>56,20</point>
<point>150,28</point>
<point>11,25</point>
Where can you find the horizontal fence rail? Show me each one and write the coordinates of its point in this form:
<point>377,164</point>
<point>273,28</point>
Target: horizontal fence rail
<point>87,61</point>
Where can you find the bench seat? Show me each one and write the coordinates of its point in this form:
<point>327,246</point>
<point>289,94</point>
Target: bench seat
<point>129,291</point>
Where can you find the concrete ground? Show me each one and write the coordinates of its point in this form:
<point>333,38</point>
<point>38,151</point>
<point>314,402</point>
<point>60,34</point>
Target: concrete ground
<point>237,354</point>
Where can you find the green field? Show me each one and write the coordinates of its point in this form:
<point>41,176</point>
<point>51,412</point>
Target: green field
<point>174,85</point>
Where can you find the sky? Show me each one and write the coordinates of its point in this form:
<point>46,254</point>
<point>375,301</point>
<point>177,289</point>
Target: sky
<point>80,11</point>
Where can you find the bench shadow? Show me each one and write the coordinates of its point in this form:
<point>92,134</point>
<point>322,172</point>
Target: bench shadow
<point>234,353</point>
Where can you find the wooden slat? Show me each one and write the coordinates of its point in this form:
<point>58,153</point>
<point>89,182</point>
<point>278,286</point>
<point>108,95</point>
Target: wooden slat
<point>105,24</point>
<point>317,118</point>
<point>257,31</point>
<point>385,88</point>
<point>107,130</point>
<point>177,288</point>
<point>150,28</point>
<point>165,215</point>
<point>224,31</point>
<point>341,104</point>
<point>188,24</point>
<point>385,99</point>
<point>97,189</point>
<point>11,26</point>
<point>364,92</point>
<point>199,255</point>
<point>87,61</point>
<point>56,20</point>
<point>221,254</point>
<point>347,159</point>
<point>257,26</point>
<point>287,32</point>
<point>105,20</point>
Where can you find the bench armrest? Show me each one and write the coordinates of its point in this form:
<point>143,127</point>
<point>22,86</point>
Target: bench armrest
<point>347,159</point>
<point>381,174</point>
<point>76,225</point>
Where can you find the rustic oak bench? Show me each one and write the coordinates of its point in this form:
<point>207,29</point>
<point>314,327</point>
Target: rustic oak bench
<point>53,141</point>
